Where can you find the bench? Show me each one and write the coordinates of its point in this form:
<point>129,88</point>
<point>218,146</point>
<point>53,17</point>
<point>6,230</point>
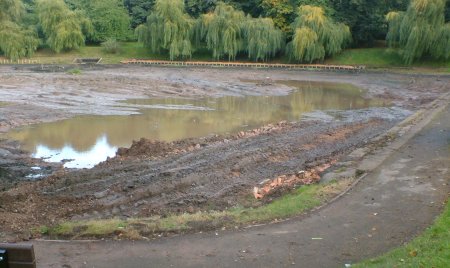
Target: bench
<point>17,256</point>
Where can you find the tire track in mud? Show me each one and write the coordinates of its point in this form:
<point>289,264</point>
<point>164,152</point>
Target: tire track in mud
<point>221,172</point>
<point>215,176</point>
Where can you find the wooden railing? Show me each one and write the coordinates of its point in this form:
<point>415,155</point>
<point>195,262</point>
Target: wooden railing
<point>245,64</point>
<point>20,61</point>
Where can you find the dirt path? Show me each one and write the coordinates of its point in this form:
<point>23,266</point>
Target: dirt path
<point>391,205</point>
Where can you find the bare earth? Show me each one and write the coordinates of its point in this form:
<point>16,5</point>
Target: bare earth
<point>389,207</point>
<point>213,172</point>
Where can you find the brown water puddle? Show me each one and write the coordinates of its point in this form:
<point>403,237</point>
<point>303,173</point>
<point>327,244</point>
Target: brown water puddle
<point>90,139</point>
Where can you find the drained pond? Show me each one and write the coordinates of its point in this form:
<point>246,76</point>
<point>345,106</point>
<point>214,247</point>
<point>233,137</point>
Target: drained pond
<point>84,141</point>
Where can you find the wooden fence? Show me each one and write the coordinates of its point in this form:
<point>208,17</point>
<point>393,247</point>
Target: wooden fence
<point>20,61</point>
<point>245,64</point>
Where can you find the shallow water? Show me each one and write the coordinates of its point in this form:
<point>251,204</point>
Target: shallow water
<point>88,140</point>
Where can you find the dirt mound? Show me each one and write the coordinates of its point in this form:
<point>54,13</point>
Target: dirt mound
<point>153,149</point>
<point>147,147</point>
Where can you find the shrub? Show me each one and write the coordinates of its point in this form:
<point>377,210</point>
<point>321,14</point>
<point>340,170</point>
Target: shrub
<point>111,46</point>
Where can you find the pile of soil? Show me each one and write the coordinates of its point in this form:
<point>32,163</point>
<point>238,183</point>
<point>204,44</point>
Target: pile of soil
<point>147,148</point>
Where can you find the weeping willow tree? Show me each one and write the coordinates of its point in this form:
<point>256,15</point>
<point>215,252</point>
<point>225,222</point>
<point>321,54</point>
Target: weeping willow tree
<point>395,21</point>
<point>305,45</point>
<point>169,28</point>
<point>421,30</point>
<point>441,43</point>
<point>262,39</point>
<point>64,29</point>
<point>223,31</point>
<point>316,36</point>
<point>16,41</point>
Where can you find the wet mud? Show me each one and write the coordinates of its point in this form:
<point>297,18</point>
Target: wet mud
<point>159,178</point>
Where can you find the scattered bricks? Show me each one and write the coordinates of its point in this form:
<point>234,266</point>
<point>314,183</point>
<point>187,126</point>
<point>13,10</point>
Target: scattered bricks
<point>301,178</point>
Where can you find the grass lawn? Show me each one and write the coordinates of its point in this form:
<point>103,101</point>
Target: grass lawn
<point>291,204</point>
<point>382,58</point>
<point>129,50</point>
<point>431,249</point>
<point>370,57</point>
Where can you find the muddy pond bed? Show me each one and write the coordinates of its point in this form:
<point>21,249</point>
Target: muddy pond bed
<point>83,142</point>
<point>212,135</point>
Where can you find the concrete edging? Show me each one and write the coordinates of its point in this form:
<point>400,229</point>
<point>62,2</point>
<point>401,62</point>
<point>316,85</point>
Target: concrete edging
<point>423,117</point>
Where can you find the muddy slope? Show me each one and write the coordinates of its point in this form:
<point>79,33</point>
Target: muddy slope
<point>214,176</point>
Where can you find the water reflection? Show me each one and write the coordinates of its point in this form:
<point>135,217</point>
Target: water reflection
<point>77,159</point>
<point>90,139</point>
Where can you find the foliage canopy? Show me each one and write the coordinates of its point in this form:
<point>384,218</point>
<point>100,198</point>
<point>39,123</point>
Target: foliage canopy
<point>168,27</point>
<point>262,39</point>
<point>16,41</point>
<point>223,31</point>
<point>421,30</point>
<point>109,19</point>
<point>316,35</point>
<point>64,29</point>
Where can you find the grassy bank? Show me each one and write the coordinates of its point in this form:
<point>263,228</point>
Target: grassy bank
<point>300,200</point>
<point>370,57</point>
<point>431,249</point>
<point>128,50</point>
<point>131,50</point>
<point>382,58</point>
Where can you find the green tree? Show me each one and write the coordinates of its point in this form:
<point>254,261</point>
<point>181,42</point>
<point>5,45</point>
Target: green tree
<point>365,18</point>
<point>64,29</point>
<point>168,28</point>
<point>196,8</point>
<point>262,39</point>
<point>109,19</point>
<point>10,10</point>
<point>281,11</point>
<point>447,11</point>
<point>421,30</point>
<point>16,41</point>
<point>252,7</point>
<point>223,31</point>
<point>324,4</point>
<point>316,35</point>
<point>138,10</point>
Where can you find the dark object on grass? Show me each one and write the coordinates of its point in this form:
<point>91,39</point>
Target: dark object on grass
<point>17,255</point>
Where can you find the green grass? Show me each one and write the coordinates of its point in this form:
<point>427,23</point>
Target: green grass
<point>381,58</point>
<point>373,57</point>
<point>431,249</point>
<point>129,50</point>
<point>378,57</point>
<point>296,202</point>
<point>74,71</point>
